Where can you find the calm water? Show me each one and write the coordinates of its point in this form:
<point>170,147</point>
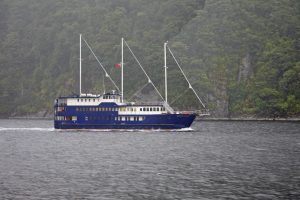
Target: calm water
<point>219,160</point>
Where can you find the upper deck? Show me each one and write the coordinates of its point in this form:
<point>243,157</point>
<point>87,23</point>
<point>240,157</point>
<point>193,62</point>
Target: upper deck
<point>88,99</point>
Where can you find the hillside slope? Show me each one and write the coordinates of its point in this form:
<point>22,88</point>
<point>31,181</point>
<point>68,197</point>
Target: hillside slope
<point>241,56</point>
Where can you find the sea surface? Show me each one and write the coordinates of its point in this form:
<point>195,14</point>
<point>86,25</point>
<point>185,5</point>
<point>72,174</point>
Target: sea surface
<point>217,160</point>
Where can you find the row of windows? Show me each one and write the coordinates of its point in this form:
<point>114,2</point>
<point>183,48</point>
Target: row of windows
<point>131,118</point>
<point>87,100</point>
<point>120,118</point>
<point>66,118</point>
<point>109,97</point>
<point>105,118</point>
<point>133,109</point>
<point>94,100</point>
<point>152,109</point>
<point>95,109</point>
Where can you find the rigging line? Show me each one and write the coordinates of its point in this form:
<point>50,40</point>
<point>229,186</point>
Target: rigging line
<point>190,86</point>
<point>138,91</point>
<point>106,74</point>
<point>179,96</point>
<point>149,80</point>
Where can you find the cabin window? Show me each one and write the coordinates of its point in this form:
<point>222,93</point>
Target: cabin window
<point>81,100</point>
<point>144,109</point>
<point>150,109</point>
<point>77,100</point>
<point>147,109</point>
<point>141,109</point>
<point>93,100</point>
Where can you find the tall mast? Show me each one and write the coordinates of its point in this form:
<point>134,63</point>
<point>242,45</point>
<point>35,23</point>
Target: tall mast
<point>122,71</point>
<point>80,67</point>
<point>166,78</point>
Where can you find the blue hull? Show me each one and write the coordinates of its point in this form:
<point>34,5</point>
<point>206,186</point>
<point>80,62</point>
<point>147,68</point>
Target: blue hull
<point>167,121</point>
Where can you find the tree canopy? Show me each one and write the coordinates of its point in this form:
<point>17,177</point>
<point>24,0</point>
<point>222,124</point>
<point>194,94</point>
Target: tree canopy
<point>242,57</point>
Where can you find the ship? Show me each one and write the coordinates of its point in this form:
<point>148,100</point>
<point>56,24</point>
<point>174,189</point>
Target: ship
<point>111,111</point>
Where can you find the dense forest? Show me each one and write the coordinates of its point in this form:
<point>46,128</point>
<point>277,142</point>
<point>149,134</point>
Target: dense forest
<point>242,57</point>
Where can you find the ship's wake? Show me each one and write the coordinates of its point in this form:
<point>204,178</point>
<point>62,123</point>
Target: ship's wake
<point>26,129</point>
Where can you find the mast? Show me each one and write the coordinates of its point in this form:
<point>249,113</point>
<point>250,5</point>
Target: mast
<point>122,71</point>
<point>166,78</point>
<point>80,67</point>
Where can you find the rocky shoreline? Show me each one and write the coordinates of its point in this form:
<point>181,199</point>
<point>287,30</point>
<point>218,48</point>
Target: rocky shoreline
<point>291,119</point>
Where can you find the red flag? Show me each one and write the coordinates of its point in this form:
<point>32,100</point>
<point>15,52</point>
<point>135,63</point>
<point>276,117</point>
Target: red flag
<point>118,65</point>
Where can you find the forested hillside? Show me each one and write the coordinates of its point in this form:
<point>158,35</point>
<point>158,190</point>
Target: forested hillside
<point>242,57</point>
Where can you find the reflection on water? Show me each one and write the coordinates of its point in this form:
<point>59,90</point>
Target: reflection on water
<point>218,160</point>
